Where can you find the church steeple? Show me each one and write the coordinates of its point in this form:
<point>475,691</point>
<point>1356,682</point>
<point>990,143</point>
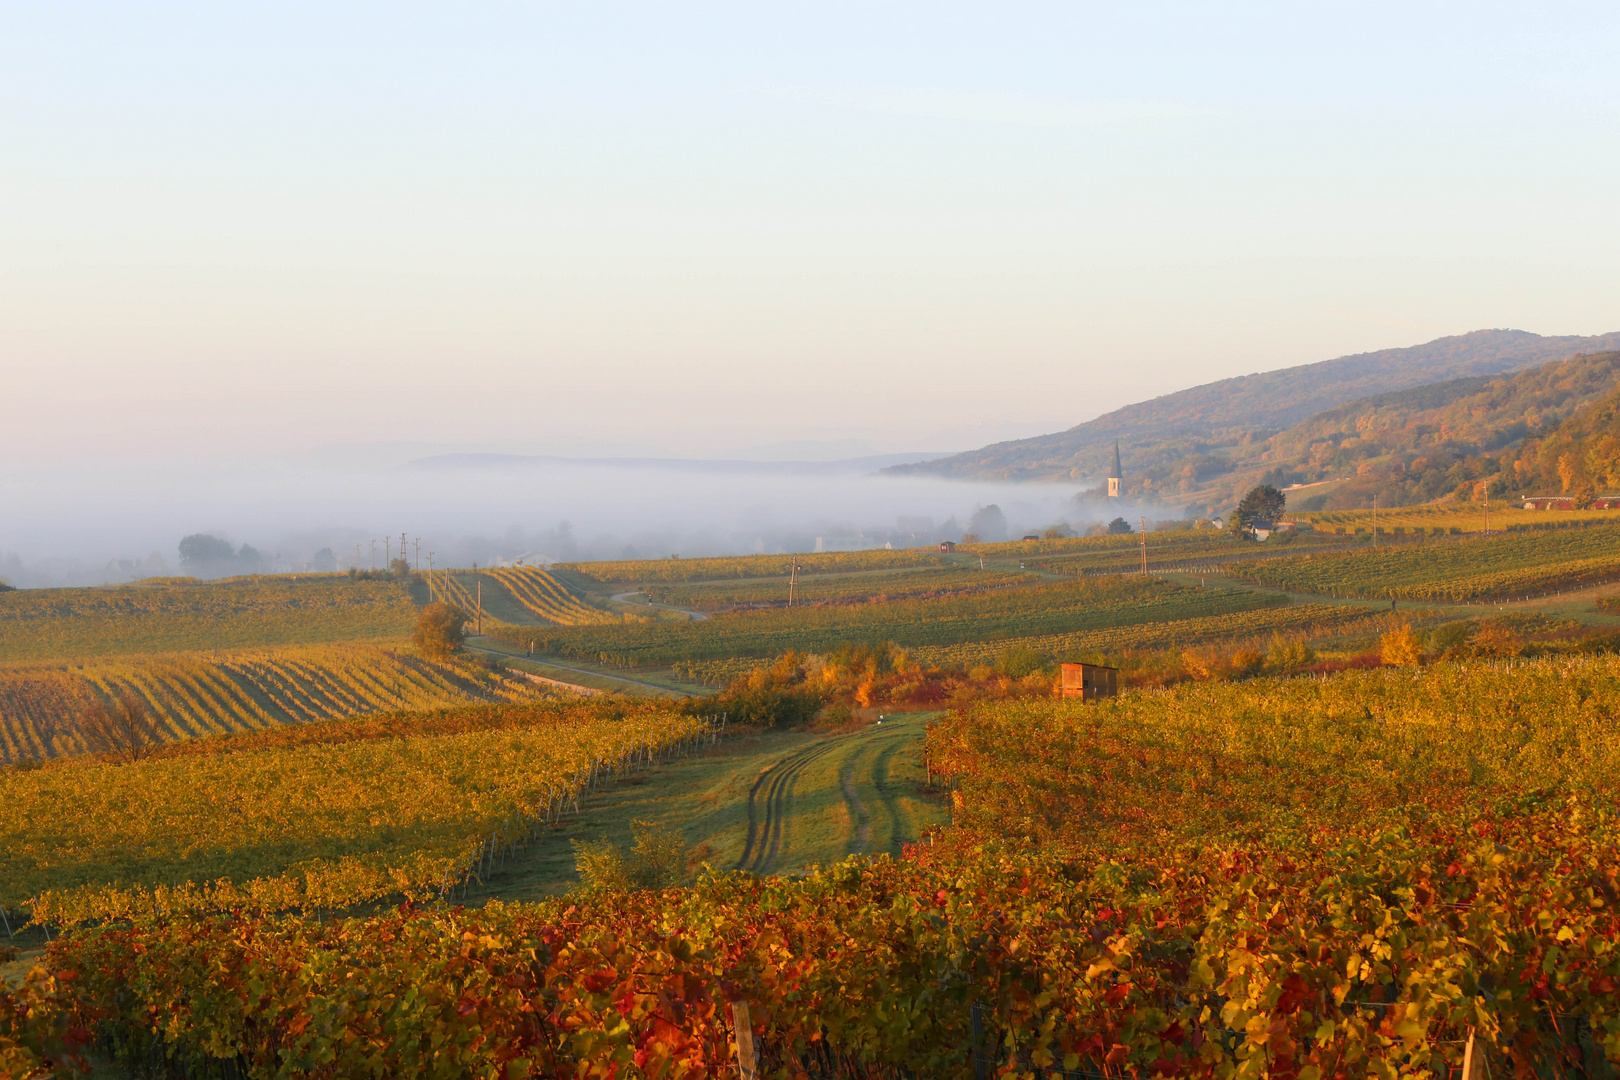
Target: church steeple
<point>1116,479</point>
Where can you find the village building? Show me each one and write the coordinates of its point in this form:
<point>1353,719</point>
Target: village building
<point>1567,502</point>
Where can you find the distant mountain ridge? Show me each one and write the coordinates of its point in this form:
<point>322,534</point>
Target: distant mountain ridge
<point>490,462</point>
<point>1190,429</point>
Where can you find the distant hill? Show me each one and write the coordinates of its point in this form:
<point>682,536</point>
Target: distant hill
<point>724,466</point>
<point>1418,445</point>
<point>1179,444</point>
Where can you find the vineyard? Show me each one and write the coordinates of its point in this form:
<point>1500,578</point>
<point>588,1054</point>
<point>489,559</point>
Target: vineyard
<point>1451,518</point>
<point>545,596</point>
<point>1508,566</point>
<point>1046,608</point>
<point>183,614</point>
<point>1376,874</point>
<point>879,586</point>
<point>1255,628</point>
<point>193,696</point>
<point>446,586</point>
<point>647,571</point>
<point>324,815</point>
<point>1171,543</point>
<point>516,596</point>
<point>1309,622</point>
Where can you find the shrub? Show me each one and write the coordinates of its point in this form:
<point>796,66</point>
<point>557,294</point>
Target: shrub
<point>1019,662</point>
<point>1497,638</point>
<point>1286,654</point>
<point>781,695</point>
<point>125,731</point>
<point>440,630</point>
<point>1401,647</point>
<point>656,859</point>
<point>1247,662</point>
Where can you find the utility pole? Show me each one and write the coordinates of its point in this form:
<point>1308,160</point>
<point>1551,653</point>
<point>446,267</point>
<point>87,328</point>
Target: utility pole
<point>1144,543</point>
<point>430,575</point>
<point>402,554</point>
<point>793,580</point>
<point>388,551</point>
<point>419,553</point>
<point>374,554</point>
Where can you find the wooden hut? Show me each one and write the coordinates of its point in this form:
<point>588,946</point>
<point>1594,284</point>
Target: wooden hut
<point>1089,681</point>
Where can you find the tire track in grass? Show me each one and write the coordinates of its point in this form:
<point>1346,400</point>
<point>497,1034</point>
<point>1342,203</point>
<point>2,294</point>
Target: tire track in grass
<point>857,812</point>
<point>768,803</point>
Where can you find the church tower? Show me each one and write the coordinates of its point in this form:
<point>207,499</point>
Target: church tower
<point>1115,479</point>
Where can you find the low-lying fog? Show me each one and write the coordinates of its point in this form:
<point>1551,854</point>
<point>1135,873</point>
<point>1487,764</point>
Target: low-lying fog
<point>110,521</point>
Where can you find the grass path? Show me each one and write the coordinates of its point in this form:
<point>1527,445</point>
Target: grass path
<point>771,802</point>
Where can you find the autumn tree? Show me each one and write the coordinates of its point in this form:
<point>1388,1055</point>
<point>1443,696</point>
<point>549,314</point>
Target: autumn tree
<point>205,554</point>
<point>1262,503</point>
<point>989,524</point>
<point>441,630</point>
<point>1566,471</point>
<point>123,731</point>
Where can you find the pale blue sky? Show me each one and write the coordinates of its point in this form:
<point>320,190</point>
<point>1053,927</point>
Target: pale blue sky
<point>698,229</point>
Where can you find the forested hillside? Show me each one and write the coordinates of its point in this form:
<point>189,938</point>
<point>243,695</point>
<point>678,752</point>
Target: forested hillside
<point>1579,457</point>
<point>1418,445</point>
<point>1175,444</point>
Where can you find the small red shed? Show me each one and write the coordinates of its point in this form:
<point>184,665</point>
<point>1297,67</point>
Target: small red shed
<point>1089,681</point>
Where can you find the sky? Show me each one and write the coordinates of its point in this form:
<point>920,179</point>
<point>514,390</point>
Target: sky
<point>239,231</point>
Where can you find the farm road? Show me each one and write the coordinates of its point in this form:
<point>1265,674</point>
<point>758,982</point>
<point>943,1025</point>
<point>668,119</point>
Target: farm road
<point>623,598</point>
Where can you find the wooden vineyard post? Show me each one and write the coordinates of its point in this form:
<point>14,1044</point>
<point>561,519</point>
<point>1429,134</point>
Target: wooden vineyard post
<point>975,1017</point>
<point>747,1063</point>
<point>1473,1060</point>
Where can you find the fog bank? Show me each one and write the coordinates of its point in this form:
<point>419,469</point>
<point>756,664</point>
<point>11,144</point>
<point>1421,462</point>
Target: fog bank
<point>105,521</point>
